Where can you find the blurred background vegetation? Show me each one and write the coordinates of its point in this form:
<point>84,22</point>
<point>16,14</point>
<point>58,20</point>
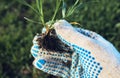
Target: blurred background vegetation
<point>16,33</point>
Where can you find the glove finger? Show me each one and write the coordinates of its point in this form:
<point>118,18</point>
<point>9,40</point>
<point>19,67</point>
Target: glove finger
<point>39,63</point>
<point>35,39</point>
<point>67,32</point>
<point>51,67</point>
<point>35,50</point>
<point>65,26</point>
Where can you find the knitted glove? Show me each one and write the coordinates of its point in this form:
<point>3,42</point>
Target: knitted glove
<point>95,56</point>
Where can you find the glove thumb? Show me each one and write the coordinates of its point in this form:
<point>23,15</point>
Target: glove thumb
<point>67,32</point>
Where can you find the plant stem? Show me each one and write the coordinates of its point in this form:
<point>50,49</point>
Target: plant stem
<point>39,4</point>
<point>41,10</point>
<point>58,2</point>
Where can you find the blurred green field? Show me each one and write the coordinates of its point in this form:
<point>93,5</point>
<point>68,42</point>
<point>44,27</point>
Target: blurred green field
<point>16,33</point>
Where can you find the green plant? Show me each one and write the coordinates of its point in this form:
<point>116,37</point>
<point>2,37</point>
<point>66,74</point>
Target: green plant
<point>65,12</point>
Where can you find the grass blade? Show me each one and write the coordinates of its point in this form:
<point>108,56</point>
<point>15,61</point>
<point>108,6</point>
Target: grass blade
<point>31,20</point>
<point>58,2</point>
<point>64,9</point>
<point>72,8</point>
<point>25,3</point>
<point>39,4</point>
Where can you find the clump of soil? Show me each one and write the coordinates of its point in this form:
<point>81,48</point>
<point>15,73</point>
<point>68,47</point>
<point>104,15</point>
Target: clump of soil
<point>49,41</point>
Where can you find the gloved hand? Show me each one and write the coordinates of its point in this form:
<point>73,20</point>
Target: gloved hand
<point>93,57</point>
<point>98,57</point>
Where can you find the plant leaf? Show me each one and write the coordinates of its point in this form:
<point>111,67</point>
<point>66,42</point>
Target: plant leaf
<point>31,20</point>
<point>72,8</point>
<point>39,4</point>
<point>58,2</point>
<point>25,3</point>
<point>64,9</point>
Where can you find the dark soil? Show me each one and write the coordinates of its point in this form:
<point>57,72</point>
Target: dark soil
<point>50,42</point>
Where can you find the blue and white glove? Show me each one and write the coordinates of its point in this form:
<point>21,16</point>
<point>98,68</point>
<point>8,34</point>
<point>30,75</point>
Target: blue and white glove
<point>93,57</point>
